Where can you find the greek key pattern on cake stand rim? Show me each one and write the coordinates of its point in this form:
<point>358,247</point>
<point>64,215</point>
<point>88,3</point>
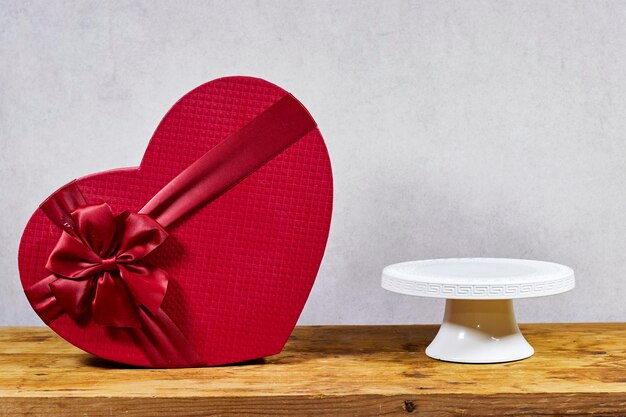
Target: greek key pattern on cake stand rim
<point>478,291</point>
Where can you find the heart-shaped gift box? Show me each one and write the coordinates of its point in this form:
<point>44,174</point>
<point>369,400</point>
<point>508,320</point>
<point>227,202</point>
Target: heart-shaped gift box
<point>206,253</point>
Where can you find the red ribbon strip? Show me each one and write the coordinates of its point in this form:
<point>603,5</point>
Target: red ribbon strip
<point>231,161</point>
<point>98,271</point>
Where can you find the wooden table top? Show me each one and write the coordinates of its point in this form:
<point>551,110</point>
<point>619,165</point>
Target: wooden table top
<point>578,369</point>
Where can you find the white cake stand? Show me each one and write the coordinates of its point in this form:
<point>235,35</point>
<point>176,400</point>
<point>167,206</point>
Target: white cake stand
<point>479,323</point>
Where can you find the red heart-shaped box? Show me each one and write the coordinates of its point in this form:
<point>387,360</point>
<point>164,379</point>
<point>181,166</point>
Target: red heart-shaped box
<point>241,267</point>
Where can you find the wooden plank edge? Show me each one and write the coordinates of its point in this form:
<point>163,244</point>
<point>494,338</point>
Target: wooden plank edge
<point>436,405</point>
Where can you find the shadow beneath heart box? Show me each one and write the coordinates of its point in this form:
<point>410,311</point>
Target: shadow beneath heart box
<point>96,362</point>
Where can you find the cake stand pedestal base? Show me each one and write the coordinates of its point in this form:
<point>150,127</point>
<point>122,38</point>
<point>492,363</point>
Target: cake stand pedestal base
<point>479,331</point>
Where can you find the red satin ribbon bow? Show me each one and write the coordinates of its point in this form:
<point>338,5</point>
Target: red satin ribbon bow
<point>100,268</point>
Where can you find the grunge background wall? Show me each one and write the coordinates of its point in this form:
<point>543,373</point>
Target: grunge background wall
<point>480,128</point>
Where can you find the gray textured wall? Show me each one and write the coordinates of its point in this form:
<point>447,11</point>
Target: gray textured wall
<point>491,128</point>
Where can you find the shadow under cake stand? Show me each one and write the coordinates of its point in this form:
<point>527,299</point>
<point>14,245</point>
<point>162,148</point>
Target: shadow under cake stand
<point>479,323</point>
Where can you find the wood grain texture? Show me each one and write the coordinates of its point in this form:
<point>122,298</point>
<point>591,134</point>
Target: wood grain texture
<point>578,369</point>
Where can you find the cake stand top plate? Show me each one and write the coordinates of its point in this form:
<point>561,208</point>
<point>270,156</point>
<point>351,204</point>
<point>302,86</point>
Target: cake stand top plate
<point>478,278</point>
